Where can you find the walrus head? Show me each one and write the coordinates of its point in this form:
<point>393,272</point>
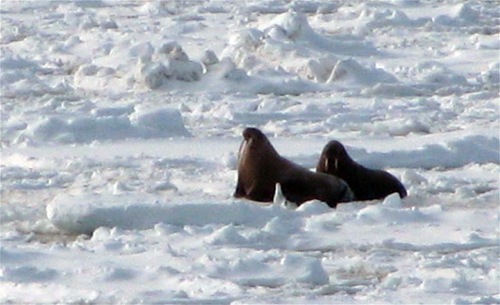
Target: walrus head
<point>255,139</point>
<point>254,134</point>
<point>250,132</point>
<point>333,157</point>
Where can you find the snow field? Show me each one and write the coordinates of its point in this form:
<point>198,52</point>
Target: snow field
<point>120,124</point>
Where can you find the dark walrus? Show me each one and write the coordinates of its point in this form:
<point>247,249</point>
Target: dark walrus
<point>365,183</point>
<point>260,167</point>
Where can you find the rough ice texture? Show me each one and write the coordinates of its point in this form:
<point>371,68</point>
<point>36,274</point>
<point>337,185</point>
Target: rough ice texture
<point>121,120</point>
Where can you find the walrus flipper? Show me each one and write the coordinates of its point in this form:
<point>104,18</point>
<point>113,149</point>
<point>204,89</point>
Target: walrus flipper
<point>296,191</point>
<point>402,190</point>
<point>239,192</point>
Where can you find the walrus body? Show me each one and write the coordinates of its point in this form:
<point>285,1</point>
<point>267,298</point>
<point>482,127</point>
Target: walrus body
<point>365,183</point>
<point>260,167</point>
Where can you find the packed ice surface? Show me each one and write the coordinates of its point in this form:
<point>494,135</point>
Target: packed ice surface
<point>121,121</point>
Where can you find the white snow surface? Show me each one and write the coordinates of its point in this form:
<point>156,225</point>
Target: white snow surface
<point>121,121</point>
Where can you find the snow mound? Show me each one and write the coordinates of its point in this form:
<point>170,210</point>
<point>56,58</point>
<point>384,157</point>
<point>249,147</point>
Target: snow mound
<point>461,14</point>
<point>491,77</point>
<point>85,213</point>
<point>108,124</point>
<point>474,241</point>
<point>350,71</point>
<point>170,67</point>
<point>391,211</point>
<point>397,127</point>
<point>170,62</point>
<point>28,274</point>
<point>434,73</point>
<point>289,43</point>
<point>254,271</point>
<point>226,76</point>
<point>456,153</point>
<point>373,18</point>
<point>20,77</point>
<point>427,78</point>
<point>293,27</point>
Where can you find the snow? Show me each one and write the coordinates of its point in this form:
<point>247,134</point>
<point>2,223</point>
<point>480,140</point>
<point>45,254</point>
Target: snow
<point>121,123</point>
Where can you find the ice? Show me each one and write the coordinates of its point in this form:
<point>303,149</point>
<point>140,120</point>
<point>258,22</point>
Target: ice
<point>109,124</point>
<point>470,149</point>
<point>491,77</point>
<point>443,247</point>
<point>121,123</point>
<point>26,274</point>
<point>462,13</point>
<point>226,236</point>
<point>390,211</point>
<point>129,211</point>
<point>351,71</point>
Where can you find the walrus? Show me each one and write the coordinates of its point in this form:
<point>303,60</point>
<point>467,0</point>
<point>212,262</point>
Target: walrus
<point>260,168</point>
<point>365,183</point>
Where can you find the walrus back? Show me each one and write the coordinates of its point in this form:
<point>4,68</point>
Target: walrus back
<point>372,184</point>
<point>366,184</point>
